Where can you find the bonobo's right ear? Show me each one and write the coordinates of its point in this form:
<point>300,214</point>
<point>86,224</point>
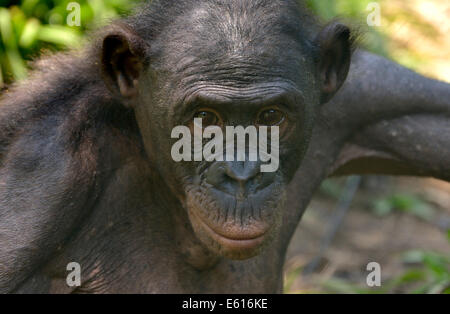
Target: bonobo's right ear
<point>334,55</point>
<point>123,55</point>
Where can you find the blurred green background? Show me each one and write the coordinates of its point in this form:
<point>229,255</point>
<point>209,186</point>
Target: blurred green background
<point>403,224</point>
<point>28,27</point>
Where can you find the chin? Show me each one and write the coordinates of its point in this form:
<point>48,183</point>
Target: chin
<point>235,228</point>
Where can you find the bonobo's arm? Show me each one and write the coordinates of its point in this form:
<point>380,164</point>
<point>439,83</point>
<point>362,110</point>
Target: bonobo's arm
<point>396,121</point>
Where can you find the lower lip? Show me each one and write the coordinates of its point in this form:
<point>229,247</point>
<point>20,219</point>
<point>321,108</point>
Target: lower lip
<point>237,244</point>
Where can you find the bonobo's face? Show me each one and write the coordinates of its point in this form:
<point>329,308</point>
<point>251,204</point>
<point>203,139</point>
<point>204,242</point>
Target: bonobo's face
<point>234,207</point>
<point>231,69</point>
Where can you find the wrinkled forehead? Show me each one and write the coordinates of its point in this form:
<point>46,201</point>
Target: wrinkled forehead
<point>233,41</point>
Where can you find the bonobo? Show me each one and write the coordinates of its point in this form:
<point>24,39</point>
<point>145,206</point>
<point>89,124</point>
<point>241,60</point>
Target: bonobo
<point>87,174</point>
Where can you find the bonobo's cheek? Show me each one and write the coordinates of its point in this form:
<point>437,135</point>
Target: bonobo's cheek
<point>234,227</point>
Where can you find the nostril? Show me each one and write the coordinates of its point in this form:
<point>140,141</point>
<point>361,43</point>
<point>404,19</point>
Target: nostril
<point>237,177</point>
<point>242,171</point>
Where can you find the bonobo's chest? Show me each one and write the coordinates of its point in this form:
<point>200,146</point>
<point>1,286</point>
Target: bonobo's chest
<point>129,244</point>
<point>149,263</point>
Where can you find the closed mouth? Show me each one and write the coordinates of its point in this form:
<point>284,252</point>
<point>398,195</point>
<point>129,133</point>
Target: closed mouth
<point>234,242</point>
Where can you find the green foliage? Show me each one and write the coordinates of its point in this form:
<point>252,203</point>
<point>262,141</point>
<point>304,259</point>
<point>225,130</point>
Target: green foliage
<point>354,10</point>
<point>434,276</point>
<point>340,286</point>
<point>403,202</point>
<point>291,277</point>
<point>329,9</point>
<point>332,188</point>
<point>29,26</point>
<point>429,273</point>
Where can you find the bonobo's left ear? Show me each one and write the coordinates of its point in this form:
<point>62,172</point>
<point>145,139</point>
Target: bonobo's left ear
<point>123,55</point>
<point>335,50</point>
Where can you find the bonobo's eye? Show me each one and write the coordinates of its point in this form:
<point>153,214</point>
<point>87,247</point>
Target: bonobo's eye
<point>270,117</point>
<point>209,118</point>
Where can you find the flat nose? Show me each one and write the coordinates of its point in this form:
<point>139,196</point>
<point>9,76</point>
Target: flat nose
<point>238,177</point>
<point>242,171</point>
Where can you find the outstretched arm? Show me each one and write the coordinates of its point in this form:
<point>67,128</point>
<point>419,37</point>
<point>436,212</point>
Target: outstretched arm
<point>396,121</point>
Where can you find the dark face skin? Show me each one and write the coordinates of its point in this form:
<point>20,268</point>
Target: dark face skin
<point>230,79</point>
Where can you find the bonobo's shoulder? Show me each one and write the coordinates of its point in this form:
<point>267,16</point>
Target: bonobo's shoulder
<point>51,79</point>
<point>59,85</point>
